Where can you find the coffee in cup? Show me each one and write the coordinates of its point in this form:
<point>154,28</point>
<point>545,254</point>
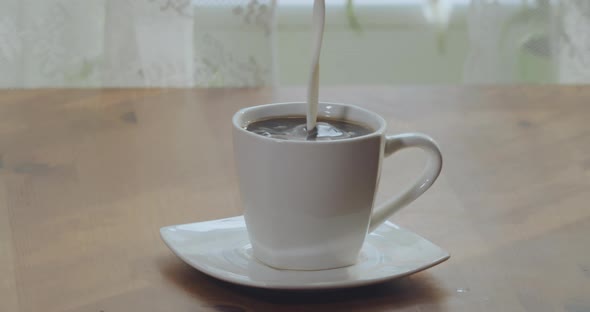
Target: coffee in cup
<point>309,203</point>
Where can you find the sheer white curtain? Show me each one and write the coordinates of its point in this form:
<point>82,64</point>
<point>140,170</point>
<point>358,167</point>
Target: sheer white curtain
<point>514,41</point>
<point>123,43</point>
<point>185,43</point>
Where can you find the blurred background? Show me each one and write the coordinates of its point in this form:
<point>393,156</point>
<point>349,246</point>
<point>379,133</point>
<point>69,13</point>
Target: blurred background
<point>245,43</point>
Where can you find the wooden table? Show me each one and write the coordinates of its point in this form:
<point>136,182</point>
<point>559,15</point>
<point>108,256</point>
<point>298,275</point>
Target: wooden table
<point>87,177</point>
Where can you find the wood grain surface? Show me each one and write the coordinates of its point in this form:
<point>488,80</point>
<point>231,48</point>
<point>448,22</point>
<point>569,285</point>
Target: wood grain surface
<point>87,177</point>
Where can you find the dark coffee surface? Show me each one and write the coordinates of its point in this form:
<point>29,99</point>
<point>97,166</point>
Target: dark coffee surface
<point>293,128</point>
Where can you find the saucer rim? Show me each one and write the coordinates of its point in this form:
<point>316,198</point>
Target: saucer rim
<point>311,286</point>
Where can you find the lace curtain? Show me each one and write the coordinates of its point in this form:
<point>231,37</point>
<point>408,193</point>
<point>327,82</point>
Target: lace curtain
<point>215,43</point>
<point>127,43</point>
<point>538,38</point>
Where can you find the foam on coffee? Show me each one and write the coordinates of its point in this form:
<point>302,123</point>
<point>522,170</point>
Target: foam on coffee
<point>294,128</point>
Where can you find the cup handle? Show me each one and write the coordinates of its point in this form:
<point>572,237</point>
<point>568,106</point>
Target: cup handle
<point>393,144</point>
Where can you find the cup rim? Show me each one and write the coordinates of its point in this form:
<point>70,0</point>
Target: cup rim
<point>237,123</point>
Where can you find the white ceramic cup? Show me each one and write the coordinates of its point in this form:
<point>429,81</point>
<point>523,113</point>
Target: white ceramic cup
<point>308,205</point>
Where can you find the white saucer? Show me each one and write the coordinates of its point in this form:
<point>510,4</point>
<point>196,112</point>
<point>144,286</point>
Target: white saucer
<point>220,248</point>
